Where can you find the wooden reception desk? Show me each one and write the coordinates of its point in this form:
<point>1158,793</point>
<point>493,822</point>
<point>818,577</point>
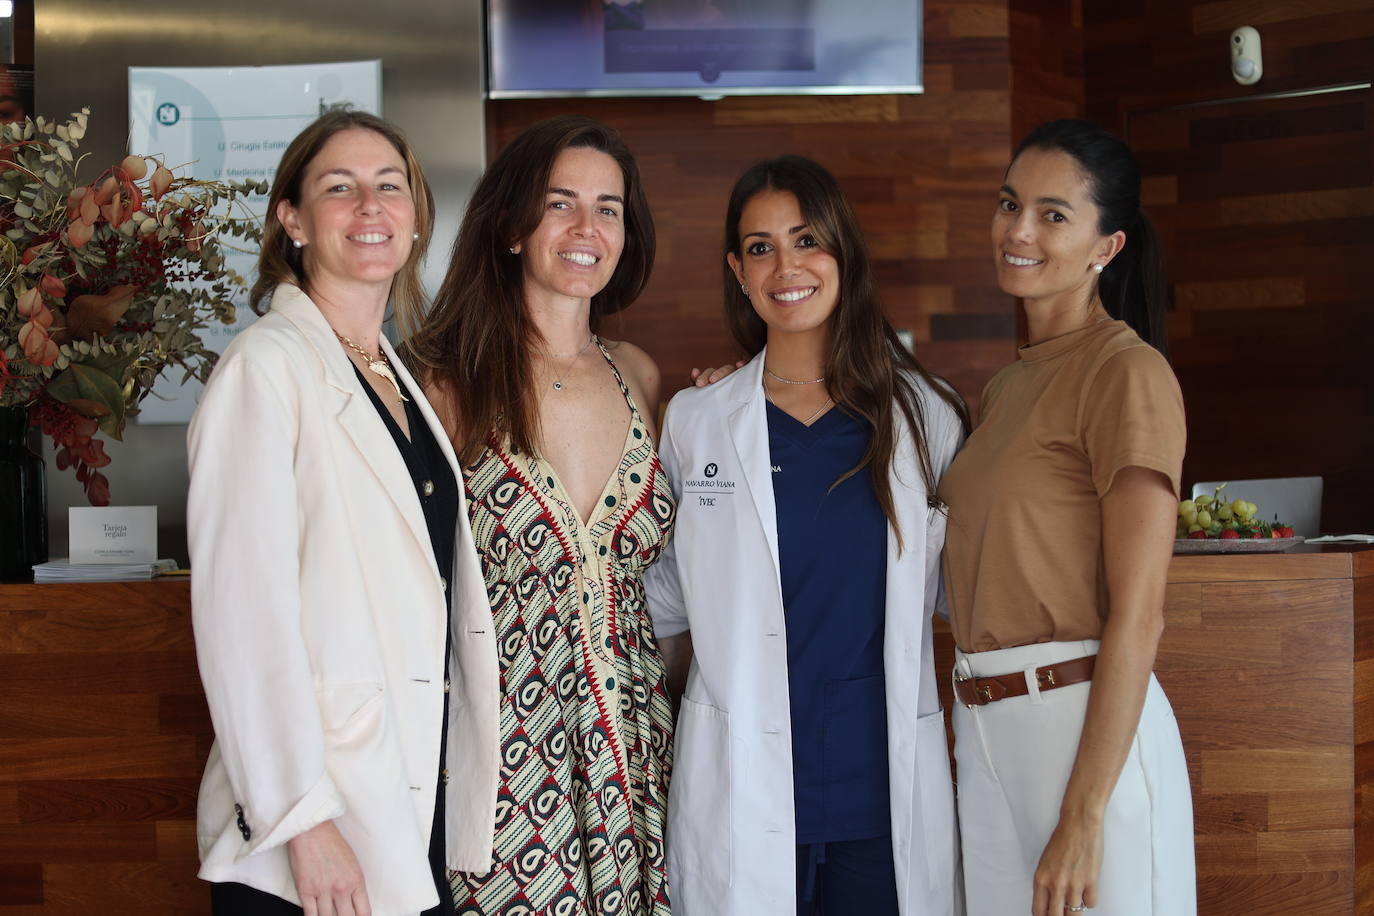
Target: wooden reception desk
<point>1268,659</point>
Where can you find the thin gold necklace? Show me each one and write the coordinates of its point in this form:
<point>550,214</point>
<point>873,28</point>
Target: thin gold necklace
<point>558,381</point>
<point>379,366</point>
<point>793,381</point>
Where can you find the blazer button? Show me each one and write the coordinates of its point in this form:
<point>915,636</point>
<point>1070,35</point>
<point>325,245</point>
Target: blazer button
<point>443,583</point>
<point>427,487</point>
<point>446,685</point>
<point>446,776</point>
<point>242,824</point>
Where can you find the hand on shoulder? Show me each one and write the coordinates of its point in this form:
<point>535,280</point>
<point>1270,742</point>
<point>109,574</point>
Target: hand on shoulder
<point>712,374</point>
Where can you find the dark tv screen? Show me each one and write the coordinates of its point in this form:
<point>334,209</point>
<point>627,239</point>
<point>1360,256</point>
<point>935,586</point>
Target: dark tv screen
<point>548,48</point>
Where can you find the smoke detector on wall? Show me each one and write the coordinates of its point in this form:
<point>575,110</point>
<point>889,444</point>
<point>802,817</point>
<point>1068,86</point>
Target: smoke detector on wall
<point>1247,64</point>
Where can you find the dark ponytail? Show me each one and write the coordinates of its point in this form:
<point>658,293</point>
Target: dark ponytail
<point>1134,286</point>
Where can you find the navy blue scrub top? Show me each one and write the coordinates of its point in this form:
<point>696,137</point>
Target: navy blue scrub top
<point>832,549</point>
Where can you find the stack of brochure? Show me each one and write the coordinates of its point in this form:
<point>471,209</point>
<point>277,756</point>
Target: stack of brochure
<point>64,570</point>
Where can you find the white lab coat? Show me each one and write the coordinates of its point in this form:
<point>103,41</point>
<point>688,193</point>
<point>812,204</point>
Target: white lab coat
<point>731,826</point>
<point>319,619</point>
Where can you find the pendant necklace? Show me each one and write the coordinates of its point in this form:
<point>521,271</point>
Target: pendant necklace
<point>379,366</point>
<point>558,382</point>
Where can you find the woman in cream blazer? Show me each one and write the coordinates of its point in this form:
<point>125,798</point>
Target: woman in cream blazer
<point>321,618</point>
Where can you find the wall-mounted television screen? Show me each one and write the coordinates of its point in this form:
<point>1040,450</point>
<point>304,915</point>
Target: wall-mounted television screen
<point>550,48</point>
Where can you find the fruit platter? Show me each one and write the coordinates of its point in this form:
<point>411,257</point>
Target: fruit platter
<point>1212,524</point>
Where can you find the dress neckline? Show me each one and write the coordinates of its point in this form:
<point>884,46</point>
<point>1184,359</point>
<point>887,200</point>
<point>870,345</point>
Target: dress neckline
<point>635,431</point>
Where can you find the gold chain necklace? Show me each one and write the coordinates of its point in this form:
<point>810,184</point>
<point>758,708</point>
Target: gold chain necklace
<point>793,381</point>
<point>379,366</point>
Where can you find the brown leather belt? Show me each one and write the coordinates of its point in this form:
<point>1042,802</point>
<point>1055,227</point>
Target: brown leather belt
<point>980,691</point>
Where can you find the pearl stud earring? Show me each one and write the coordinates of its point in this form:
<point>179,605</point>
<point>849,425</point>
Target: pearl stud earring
<point>298,243</point>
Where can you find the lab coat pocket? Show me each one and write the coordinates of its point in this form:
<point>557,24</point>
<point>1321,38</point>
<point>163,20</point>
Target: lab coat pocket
<point>700,821</point>
<point>935,819</point>
<point>349,712</point>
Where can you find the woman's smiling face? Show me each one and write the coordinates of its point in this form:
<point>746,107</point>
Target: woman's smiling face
<point>356,215</point>
<point>574,250</point>
<point>794,283</point>
<point>1045,235</point>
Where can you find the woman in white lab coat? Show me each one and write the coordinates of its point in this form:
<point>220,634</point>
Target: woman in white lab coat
<point>810,768</point>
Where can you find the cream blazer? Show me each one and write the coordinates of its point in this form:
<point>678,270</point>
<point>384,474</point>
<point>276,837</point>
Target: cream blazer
<point>731,826</point>
<point>319,621</point>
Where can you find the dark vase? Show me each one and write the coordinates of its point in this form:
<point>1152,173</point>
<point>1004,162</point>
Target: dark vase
<point>23,497</point>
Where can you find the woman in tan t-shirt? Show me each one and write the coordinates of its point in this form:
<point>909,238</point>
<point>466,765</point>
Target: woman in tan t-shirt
<point>1073,789</point>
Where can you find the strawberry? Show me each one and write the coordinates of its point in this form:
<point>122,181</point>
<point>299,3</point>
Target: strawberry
<point>1197,535</point>
<point>1230,534</point>
<point>1285,531</point>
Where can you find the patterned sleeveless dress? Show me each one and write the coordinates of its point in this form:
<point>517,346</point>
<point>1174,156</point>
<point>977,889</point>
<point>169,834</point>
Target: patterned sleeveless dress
<point>586,722</point>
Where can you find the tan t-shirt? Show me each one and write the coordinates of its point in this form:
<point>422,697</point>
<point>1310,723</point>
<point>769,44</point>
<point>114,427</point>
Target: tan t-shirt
<point>1023,552</point>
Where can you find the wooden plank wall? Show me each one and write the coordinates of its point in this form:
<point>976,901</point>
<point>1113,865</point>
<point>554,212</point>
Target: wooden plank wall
<point>920,170</point>
<point>103,735</point>
<point>1266,209</point>
<point>1046,63</point>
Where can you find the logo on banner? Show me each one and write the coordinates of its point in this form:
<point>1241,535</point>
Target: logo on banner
<point>168,114</point>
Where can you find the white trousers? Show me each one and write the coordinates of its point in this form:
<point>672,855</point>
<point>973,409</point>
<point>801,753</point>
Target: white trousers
<point>1014,758</point>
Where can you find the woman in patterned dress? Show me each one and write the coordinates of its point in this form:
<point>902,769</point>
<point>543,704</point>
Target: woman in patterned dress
<point>568,506</point>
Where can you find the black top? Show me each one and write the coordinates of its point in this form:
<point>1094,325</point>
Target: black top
<point>430,472</point>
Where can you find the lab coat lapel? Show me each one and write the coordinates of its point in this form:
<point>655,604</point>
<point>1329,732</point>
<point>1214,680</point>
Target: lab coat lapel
<point>355,413</point>
<point>748,424</point>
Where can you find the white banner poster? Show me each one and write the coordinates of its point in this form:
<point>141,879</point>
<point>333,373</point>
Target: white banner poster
<point>232,124</point>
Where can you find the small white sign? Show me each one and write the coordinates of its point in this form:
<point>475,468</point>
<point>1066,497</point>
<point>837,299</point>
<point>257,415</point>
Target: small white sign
<point>116,534</point>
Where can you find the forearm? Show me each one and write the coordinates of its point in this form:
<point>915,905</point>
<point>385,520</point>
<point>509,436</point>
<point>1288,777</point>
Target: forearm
<point>1136,542</point>
<point>1120,680</point>
<point>677,659</point>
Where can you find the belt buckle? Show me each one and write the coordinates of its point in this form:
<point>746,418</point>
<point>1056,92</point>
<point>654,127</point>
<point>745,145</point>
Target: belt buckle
<point>983,693</point>
<point>961,679</point>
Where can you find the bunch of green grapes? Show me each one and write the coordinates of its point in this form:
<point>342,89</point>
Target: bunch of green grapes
<point>1212,517</point>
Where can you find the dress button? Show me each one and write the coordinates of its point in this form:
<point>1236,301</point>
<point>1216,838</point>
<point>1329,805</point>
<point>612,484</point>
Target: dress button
<point>427,487</point>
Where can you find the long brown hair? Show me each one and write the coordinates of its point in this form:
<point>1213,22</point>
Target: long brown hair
<point>476,344</point>
<point>865,368</point>
<point>281,262</point>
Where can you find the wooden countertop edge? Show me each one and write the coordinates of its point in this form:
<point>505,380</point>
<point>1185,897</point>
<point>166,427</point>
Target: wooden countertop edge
<point>170,592</point>
<point>1321,562</point>
<point>1331,562</point>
